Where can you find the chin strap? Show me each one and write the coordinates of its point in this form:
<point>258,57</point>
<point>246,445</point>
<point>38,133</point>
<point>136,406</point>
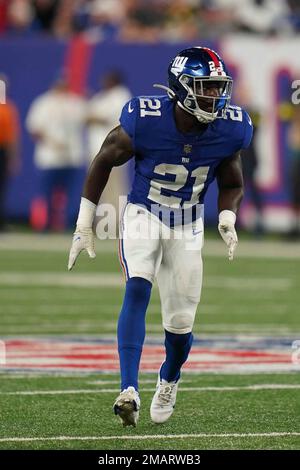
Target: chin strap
<point>204,119</point>
<point>170,92</point>
<point>199,117</point>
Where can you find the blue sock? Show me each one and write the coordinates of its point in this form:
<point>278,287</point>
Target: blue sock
<point>131,329</point>
<point>177,351</point>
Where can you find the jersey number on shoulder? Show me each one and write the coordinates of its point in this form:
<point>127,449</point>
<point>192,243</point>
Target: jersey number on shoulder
<point>181,176</point>
<point>235,113</point>
<point>149,107</point>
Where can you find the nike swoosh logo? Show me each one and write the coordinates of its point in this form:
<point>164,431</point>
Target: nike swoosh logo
<point>78,238</point>
<point>130,109</point>
<point>196,233</point>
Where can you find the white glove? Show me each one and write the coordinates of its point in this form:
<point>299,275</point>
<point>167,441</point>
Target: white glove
<point>83,238</point>
<point>227,231</point>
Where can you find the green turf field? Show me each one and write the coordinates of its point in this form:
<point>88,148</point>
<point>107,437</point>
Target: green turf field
<point>201,413</point>
<point>252,296</point>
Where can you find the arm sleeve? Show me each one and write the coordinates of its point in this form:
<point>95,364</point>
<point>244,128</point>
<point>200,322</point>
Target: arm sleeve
<point>128,118</point>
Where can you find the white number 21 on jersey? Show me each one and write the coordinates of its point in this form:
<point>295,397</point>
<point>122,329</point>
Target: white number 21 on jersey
<point>181,176</point>
<point>150,107</point>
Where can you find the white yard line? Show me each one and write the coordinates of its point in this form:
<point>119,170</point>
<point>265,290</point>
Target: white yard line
<point>16,327</point>
<point>97,280</point>
<point>77,309</point>
<point>154,308</point>
<point>215,248</point>
<point>48,243</point>
<point>75,373</point>
<point>150,436</point>
<point>117,382</point>
<point>243,328</point>
<point>61,279</point>
<point>182,389</point>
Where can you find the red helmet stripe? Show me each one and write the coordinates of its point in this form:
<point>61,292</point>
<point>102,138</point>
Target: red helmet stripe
<point>213,56</point>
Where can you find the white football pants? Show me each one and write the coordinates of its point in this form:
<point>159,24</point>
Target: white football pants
<point>150,249</point>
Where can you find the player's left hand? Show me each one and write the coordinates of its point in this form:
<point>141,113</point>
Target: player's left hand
<point>227,231</point>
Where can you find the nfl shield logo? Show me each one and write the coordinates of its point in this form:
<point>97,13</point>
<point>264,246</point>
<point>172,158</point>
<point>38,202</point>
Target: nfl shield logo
<point>187,148</point>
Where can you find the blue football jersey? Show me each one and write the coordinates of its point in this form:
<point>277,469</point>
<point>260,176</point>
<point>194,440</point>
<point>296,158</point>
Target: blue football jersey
<point>173,169</point>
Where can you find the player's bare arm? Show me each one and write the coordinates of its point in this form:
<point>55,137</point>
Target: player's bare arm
<point>230,184</point>
<point>116,150</point>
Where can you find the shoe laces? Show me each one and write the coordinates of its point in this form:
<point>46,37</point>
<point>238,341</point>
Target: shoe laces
<point>165,393</point>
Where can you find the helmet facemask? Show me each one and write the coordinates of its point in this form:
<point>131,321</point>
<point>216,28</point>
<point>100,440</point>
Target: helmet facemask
<point>197,91</point>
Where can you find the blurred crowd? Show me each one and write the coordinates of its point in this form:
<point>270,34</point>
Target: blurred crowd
<point>62,124</point>
<point>149,20</point>
<point>76,122</point>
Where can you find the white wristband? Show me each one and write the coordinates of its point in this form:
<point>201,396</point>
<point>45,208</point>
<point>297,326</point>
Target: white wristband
<point>227,216</point>
<point>86,213</point>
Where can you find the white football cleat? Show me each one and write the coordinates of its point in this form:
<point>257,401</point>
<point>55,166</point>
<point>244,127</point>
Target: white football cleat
<point>163,402</point>
<point>127,406</point>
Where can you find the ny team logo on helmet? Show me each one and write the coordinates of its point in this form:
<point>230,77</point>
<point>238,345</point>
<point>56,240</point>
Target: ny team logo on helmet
<point>199,80</point>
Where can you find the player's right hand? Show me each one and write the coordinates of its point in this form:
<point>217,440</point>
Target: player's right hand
<point>83,239</point>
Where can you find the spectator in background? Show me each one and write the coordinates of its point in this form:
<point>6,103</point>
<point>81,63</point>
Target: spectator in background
<point>294,147</point>
<point>3,16</point>
<point>144,21</point>
<point>250,158</point>
<point>150,20</point>
<point>27,16</point>
<point>9,147</point>
<point>294,16</point>
<point>251,16</point>
<point>20,16</point>
<point>106,16</point>
<point>63,23</point>
<point>250,164</point>
<point>45,12</point>
<point>262,16</point>
<point>183,21</point>
<point>56,120</point>
<point>103,114</point>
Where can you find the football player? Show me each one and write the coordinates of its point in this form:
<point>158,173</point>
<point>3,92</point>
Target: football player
<point>181,142</point>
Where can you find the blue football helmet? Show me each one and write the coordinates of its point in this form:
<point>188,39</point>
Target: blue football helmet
<point>199,81</point>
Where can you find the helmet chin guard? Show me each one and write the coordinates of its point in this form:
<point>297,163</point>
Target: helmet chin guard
<point>201,115</point>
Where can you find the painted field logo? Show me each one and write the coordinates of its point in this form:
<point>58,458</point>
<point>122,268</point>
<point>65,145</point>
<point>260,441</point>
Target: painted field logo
<point>101,355</point>
<point>2,354</point>
<point>2,92</point>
